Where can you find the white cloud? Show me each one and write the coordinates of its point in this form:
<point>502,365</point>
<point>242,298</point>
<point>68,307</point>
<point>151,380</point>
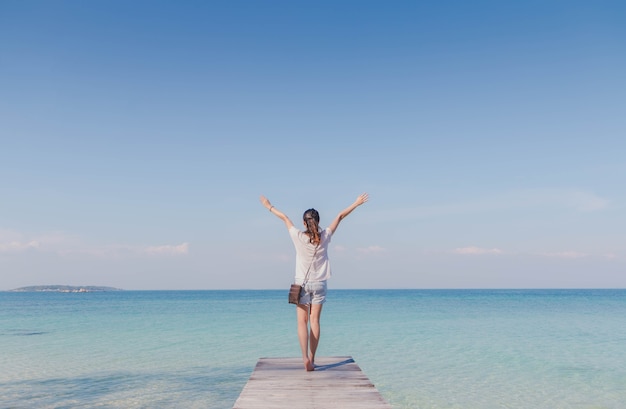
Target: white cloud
<point>472,250</point>
<point>15,242</point>
<point>67,245</point>
<point>54,242</point>
<point>17,246</point>
<point>117,251</point>
<point>167,249</point>
<point>371,250</point>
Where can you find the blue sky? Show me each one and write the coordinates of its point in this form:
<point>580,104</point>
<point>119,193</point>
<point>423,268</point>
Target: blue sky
<point>136,138</point>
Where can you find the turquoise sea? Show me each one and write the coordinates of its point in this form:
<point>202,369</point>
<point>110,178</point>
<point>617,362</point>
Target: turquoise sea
<point>421,348</point>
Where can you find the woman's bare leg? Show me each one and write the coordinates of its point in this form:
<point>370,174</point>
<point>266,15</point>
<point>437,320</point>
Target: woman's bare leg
<point>314,338</point>
<point>302,314</point>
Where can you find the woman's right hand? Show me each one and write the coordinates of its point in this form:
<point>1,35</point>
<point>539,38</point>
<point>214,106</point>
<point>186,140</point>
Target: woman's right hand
<point>265,202</point>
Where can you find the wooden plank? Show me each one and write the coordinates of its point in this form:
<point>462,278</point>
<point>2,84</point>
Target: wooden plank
<point>337,382</point>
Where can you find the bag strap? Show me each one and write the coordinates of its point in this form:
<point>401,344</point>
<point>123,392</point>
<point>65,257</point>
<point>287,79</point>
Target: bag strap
<point>306,277</point>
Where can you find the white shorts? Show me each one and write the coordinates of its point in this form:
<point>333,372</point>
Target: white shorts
<point>314,292</point>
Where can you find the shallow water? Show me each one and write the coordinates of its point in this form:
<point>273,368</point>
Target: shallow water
<point>421,348</point>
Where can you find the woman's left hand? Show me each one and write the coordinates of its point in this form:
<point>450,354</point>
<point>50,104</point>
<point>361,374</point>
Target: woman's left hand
<point>361,199</point>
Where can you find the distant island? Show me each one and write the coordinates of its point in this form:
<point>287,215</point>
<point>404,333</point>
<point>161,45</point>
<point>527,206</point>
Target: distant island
<point>65,289</point>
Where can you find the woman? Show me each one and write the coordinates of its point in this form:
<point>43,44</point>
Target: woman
<point>312,269</point>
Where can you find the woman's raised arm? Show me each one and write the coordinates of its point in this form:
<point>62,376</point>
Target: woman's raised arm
<point>358,202</point>
<point>282,216</point>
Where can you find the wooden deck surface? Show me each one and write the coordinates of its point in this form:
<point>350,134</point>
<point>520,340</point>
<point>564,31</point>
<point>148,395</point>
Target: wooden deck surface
<point>337,382</point>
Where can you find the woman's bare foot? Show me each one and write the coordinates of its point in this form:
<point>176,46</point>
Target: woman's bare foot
<point>308,365</point>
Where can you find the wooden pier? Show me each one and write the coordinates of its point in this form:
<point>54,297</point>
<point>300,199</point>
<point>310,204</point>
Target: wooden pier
<point>282,383</point>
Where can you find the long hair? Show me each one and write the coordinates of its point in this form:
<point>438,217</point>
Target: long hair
<point>312,220</point>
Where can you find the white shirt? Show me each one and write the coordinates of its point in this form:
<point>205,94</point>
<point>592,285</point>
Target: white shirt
<point>320,266</point>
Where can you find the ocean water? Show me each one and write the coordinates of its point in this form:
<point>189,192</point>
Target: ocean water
<point>421,348</point>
